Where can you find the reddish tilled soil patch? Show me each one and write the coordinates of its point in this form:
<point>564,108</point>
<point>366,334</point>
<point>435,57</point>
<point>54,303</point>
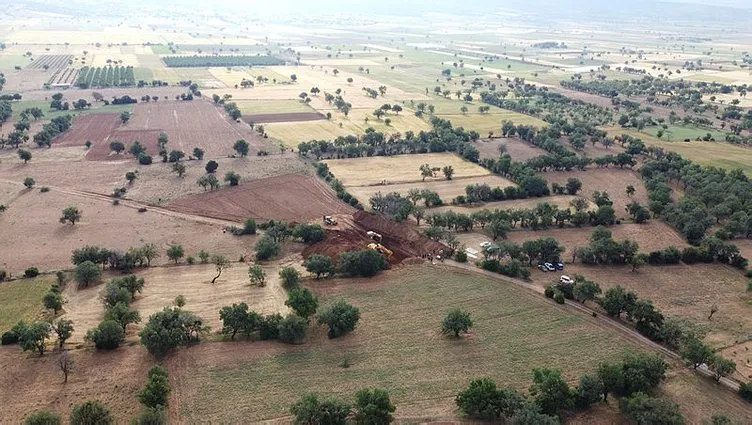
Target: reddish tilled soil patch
<point>350,235</point>
<point>93,127</point>
<point>286,117</point>
<point>288,197</point>
<point>191,124</point>
<point>101,151</point>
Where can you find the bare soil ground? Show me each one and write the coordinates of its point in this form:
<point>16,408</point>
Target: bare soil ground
<point>651,236</point>
<point>516,148</point>
<point>399,169</point>
<point>289,197</point>
<point>95,128</point>
<point>612,180</point>
<point>39,239</point>
<point>156,183</point>
<point>113,377</point>
<point>287,117</point>
<point>196,123</point>
<point>350,235</point>
<point>687,291</point>
<point>163,284</point>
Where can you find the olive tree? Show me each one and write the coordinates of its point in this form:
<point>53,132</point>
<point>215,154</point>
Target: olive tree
<point>456,321</point>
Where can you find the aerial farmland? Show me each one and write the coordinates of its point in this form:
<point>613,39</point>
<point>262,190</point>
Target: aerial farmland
<point>529,214</point>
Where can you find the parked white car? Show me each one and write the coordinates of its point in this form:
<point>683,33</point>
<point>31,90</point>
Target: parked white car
<point>566,280</point>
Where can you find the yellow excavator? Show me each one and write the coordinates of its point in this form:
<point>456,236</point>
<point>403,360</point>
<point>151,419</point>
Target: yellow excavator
<point>381,248</point>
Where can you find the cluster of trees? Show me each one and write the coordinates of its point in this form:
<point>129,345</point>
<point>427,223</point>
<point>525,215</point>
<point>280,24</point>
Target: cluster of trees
<point>521,257</point>
<point>442,138</point>
<point>90,412</point>
<point>659,91</point>
<point>603,249</point>
<point>116,298</point>
<point>550,396</point>
<point>223,61</point>
<point>323,171</point>
<point>154,397</point>
<point>498,222</point>
<point>52,129</point>
<point>551,107</point>
<point>115,259</point>
<point>372,406</point>
<point>340,318</point>
<point>365,263</point>
<point>171,328</point>
<point>712,196</point>
<point>109,76</point>
<point>6,111</point>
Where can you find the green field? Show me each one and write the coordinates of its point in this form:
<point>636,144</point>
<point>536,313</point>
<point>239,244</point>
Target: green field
<point>49,114</point>
<point>22,300</point>
<point>12,61</point>
<point>398,346</point>
<point>143,74</point>
<point>717,154</point>
<point>680,132</point>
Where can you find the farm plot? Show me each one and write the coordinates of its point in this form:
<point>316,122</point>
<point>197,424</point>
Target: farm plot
<point>652,235</point>
<point>398,169</point>
<point>84,307</point>
<point>283,117</point>
<point>516,148</point>
<point>191,124</point>
<point>66,77</point>
<point>224,60</point>
<point>92,127</point>
<point>561,201</point>
<point>684,291</point>
<point>447,189</point>
<point>50,62</point>
<point>22,300</point>
<point>612,180</point>
<point>109,76</point>
<point>289,197</point>
<point>38,238</point>
<point>420,368</point>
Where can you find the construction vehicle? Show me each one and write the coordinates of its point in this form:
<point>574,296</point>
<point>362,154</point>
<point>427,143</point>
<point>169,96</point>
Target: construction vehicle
<point>330,220</point>
<point>381,248</point>
<point>373,235</point>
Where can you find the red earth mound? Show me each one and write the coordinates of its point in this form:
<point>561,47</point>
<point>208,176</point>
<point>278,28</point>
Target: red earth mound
<point>289,197</point>
<point>286,117</point>
<point>350,235</point>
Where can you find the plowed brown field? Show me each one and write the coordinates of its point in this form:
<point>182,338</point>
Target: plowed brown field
<point>288,197</point>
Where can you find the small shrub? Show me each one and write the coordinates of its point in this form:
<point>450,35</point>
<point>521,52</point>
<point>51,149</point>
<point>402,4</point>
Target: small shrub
<point>31,272</point>
<point>43,418</point>
<point>190,260</point>
<point>549,292</point>
<point>107,336</point>
<point>3,275</point>
<point>44,189</point>
<point>559,297</point>
<point>116,202</point>
<point>461,257</point>
<point>9,338</point>
<point>745,391</point>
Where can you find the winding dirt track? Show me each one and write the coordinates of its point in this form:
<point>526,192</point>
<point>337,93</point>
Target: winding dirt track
<point>138,205</point>
<point>601,320</point>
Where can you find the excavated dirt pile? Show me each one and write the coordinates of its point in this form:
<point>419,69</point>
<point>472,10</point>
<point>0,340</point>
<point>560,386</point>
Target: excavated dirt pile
<point>350,235</point>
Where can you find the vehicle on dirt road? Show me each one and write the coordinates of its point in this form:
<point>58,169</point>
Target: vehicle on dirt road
<point>549,267</point>
<point>330,220</point>
<point>542,267</point>
<point>381,248</point>
<point>559,266</point>
<point>565,280</point>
